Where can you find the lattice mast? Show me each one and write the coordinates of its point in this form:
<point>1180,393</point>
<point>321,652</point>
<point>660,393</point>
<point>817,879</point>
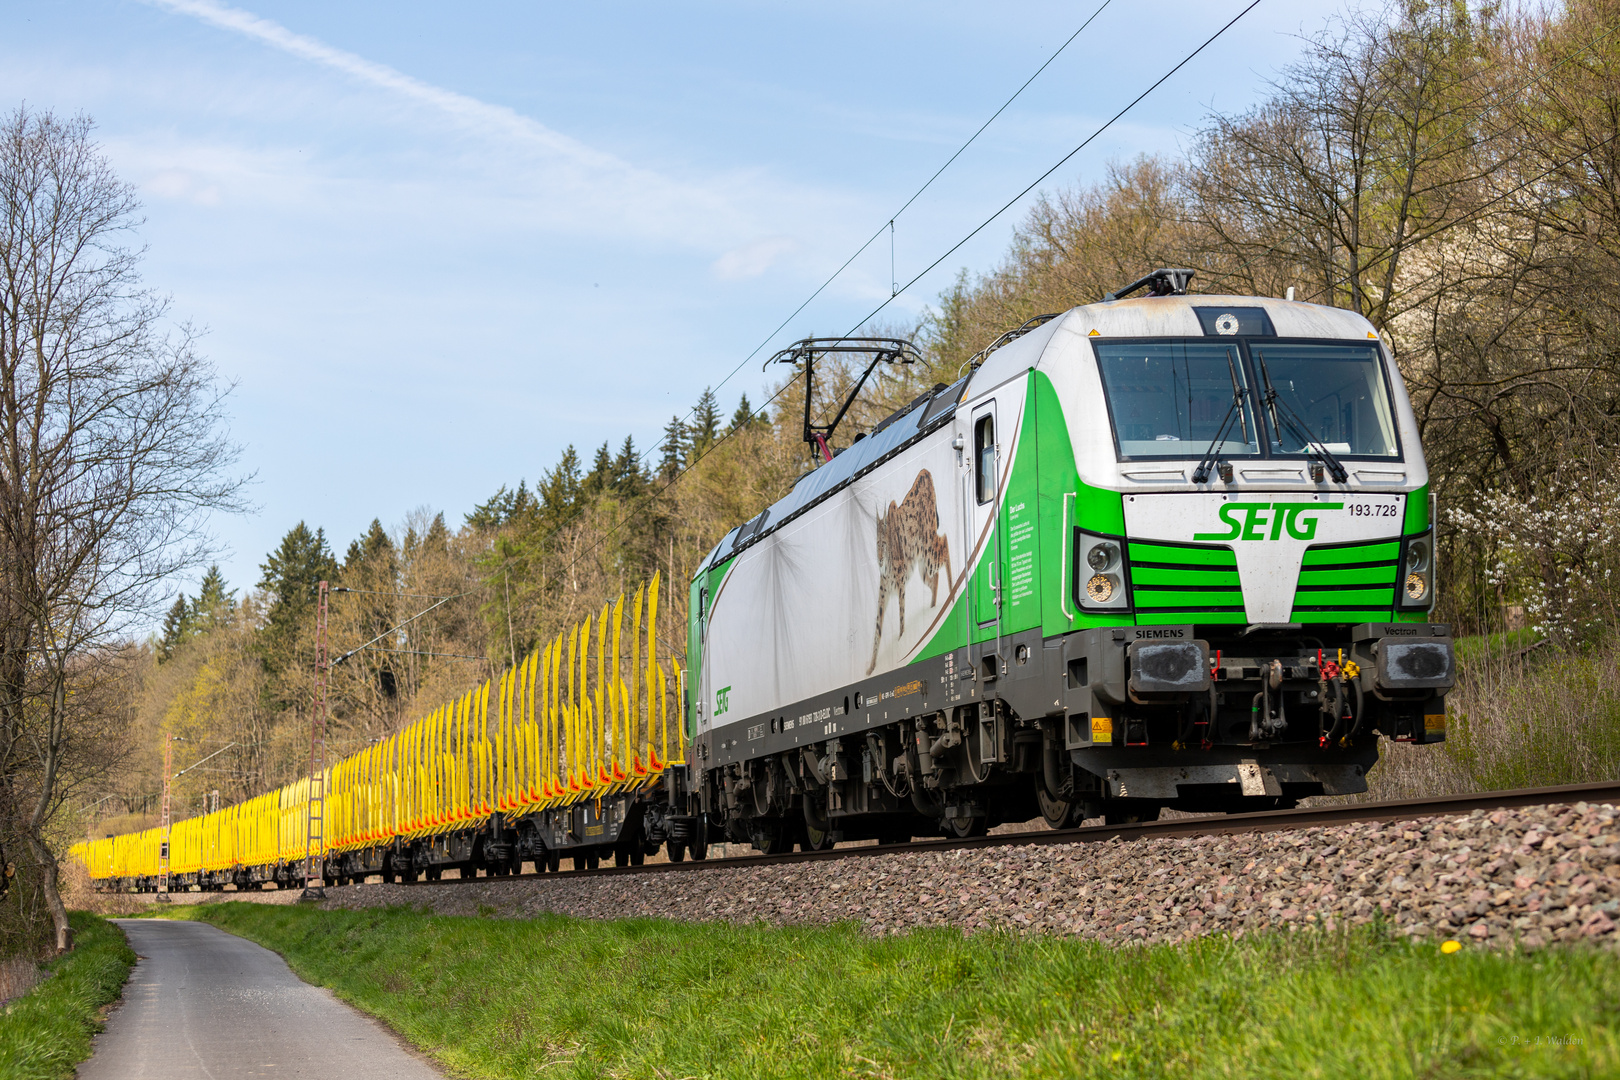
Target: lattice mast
<point>163,850</point>
<point>315,839</point>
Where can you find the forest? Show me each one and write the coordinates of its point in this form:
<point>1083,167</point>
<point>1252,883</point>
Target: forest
<point>1449,170</point>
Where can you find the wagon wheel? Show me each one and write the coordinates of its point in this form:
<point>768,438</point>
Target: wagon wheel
<point>698,846</point>
<point>817,830</point>
<point>774,838</point>
<point>1059,813</point>
<point>963,827</point>
<point>815,839</point>
<point>676,850</point>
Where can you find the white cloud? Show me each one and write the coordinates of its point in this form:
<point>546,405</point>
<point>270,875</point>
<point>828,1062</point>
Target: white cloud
<point>180,184</point>
<point>752,260</point>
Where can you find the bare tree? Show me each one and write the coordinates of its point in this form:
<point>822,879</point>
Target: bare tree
<point>111,448</point>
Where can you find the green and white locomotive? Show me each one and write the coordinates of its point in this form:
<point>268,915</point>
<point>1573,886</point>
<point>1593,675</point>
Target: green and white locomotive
<point>1175,550</point>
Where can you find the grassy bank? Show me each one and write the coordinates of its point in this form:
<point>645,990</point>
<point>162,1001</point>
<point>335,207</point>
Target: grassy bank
<point>1522,715</point>
<point>46,1032</point>
<point>560,997</point>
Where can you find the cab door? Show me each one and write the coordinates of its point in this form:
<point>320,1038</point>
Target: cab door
<point>984,540</point>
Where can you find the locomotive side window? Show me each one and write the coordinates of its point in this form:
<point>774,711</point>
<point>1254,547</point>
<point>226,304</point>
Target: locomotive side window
<point>984,457</point>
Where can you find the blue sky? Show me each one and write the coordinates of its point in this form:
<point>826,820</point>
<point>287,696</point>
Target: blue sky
<point>434,244</point>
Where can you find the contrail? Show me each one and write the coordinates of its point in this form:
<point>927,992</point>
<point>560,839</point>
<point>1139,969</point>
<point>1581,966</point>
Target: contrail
<point>481,116</point>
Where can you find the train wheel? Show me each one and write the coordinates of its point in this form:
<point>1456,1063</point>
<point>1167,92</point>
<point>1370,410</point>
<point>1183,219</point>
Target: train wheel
<point>815,839</point>
<point>621,856</point>
<point>676,850</point>
<point>638,855</point>
<point>553,861</point>
<point>774,839</point>
<point>964,827</point>
<point>592,861</point>
<point>1059,814</point>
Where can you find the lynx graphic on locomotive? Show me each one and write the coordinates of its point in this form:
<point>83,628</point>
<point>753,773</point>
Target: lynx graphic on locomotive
<point>1178,550</point>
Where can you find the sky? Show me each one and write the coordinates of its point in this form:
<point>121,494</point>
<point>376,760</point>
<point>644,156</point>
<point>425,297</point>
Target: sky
<point>431,245</point>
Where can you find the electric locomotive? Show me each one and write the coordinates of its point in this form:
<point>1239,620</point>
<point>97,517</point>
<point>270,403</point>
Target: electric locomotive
<point>1167,550</point>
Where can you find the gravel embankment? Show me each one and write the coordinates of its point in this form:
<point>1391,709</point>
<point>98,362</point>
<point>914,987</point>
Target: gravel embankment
<point>1534,876</point>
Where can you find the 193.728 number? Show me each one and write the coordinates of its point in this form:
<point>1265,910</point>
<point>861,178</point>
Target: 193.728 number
<point>1361,509</point>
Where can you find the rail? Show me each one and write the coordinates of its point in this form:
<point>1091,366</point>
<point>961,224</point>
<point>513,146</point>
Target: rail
<point>1263,821</point>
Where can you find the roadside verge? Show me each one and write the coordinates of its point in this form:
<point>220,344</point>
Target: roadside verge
<point>491,997</point>
<point>46,1032</point>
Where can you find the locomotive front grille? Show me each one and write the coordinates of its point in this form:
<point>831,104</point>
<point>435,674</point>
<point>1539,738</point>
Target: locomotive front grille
<point>1192,583</point>
<point>1178,583</point>
<point>1347,583</point>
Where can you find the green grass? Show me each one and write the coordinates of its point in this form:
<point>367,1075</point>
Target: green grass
<point>560,997</point>
<point>46,1032</point>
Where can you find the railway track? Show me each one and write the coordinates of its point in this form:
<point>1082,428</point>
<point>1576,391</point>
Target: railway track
<point>1267,821</point>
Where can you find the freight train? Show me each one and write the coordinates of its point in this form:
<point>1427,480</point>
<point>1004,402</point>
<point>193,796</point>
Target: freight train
<point>1174,550</point>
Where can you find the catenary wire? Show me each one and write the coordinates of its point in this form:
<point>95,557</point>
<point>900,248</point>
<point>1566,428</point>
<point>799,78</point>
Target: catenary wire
<point>689,466</point>
<point>888,224</point>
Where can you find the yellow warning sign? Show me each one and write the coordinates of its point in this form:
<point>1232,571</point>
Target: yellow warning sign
<point>1434,722</point>
<point>1102,729</point>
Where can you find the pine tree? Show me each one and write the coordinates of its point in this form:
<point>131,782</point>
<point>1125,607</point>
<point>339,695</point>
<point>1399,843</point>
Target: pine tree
<point>601,474</point>
<point>214,604</point>
<point>494,512</point>
<point>674,456</point>
<point>628,478</point>
<point>705,426</point>
<point>559,489</point>
<point>438,535</point>
<point>744,416</point>
<point>291,573</point>
<point>377,544</point>
<point>174,628</point>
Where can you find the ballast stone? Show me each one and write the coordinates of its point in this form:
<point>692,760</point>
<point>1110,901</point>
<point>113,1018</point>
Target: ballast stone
<point>1526,877</point>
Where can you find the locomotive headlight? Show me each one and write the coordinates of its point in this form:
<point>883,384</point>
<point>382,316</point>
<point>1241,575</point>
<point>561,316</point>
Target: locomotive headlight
<point>1417,572</point>
<point>1108,585</point>
<point>1100,588</point>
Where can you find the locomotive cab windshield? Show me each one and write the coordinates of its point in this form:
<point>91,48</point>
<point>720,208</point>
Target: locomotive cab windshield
<point>1175,398</point>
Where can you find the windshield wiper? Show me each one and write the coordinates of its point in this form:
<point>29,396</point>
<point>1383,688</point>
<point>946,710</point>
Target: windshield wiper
<point>1301,430</point>
<point>1210,457</point>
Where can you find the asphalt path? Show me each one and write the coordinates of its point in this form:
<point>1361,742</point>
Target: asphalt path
<point>205,1004</point>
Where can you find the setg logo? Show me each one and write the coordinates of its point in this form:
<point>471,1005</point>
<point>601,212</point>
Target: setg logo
<point>722,700</point>
<point>1268,521</point>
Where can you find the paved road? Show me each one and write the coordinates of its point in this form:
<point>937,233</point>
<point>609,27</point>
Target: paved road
<point>204,1004</point>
